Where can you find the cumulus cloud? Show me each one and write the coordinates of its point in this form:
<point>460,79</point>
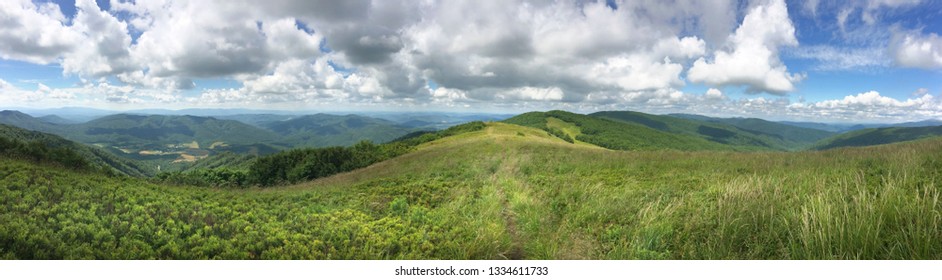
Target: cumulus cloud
<point>713,93</point>
<point>199,39</point>
<point>636,72</point>
<point>753,56</point>
<point>589,48</point>
<point>4,85</point>
<point>489,50</point>
<point>104,48</point>
<point>918,50</point>
<point>531,93</point>
<point>578,55</point>
<point>32,33</point>
<point>871,99</point>
<point>868,106</point>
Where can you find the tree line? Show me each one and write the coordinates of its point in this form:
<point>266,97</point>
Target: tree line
<point>299,165</point>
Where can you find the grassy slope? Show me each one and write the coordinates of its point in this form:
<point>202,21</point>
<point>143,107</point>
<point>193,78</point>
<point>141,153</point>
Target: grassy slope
<point>877,136</point>
<point>497,194</point>
<point>568,128</point>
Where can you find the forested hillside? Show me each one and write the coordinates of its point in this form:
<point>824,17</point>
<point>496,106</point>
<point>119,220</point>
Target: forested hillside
<point>877,136</point>
<point>322,130</point>
<point>47,148</point>
<point>789,137</point>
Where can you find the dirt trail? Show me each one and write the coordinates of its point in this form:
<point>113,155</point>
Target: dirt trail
<point>507,170</point>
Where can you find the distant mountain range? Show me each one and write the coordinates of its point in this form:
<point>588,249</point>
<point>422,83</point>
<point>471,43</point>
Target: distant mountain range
<point>283,131</point>
<point>878,136</point>
<point>425,120</point>
<point>831,127</point>
<point>734,131</point>
<point>626,130</point>
<point>145,131</point>
<point>852,127</point>
<point>170,141</point>
<point>173,142</point>
<point>331,130</point>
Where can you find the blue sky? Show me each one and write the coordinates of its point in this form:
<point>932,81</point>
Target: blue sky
<point>838,61</point>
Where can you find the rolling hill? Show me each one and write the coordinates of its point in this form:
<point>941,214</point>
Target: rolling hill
<point>878,136</point>
<point>257,120</point>
<point>162,143</point>
<point>846,127</point>
<point>623,135</point>
<point>24,121</point>
<point>789,137</point>
<point>146,131</point>
<point>171,143</point>
<point>54,119</point>
<point>162,130</point>
<point>503,192</point>
<point>321,130</point>
<point>96,157</point>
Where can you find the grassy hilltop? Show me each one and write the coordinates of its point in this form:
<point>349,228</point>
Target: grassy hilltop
<point>505,191</point>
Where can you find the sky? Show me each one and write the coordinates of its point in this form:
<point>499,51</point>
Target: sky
<point>825,61</point>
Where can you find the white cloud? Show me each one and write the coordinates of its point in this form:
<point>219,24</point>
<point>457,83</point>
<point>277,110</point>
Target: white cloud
<point>872,99</point>
<point>636,72</point>
<point>864,107</point>
<point>103,49</point>
<point>842,18</point>
<point>32,33</point>
<point>443,93</point>
<point>713,93</point>
<point>920,92</point>
<point>918,50</point>
<point>391,50</point>
<point>199,39</point>
<point>579,55</point>
<point>532,94</point>
<point>830,58</point>
<point>753,60</point>
<point>493,47</point>
<point>875,4</point>
<point>679,48</point>
<point>811,6</point>
<point>872,10</point>
<point>42,87</point>
<point>4,85</point>
<point>286,41</point>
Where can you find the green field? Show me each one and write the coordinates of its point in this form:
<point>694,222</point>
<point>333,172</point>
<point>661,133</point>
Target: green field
<point>504,192</point>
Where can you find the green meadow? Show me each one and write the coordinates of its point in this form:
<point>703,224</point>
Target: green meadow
<point>502,192</point>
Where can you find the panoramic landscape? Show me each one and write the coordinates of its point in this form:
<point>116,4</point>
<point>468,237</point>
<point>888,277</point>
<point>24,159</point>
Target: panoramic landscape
<point>497,130</point>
